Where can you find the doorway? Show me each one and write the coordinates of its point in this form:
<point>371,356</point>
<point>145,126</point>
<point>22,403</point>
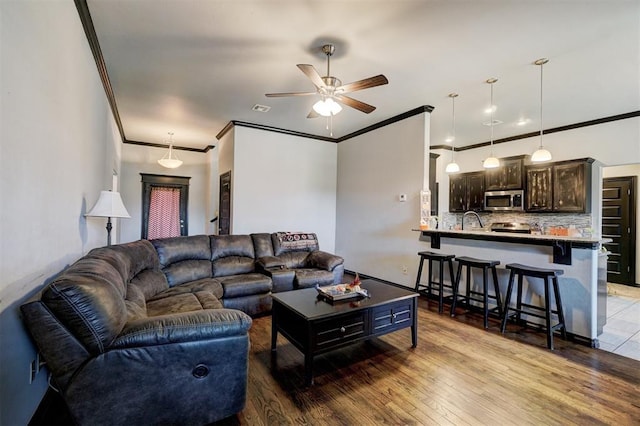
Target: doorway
<point>619,224</point>
<point>164,206</point>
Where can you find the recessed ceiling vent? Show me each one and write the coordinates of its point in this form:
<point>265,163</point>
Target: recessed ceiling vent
<point>261,108</point>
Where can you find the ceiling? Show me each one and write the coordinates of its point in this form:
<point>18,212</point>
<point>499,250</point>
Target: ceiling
<point>192,66</point>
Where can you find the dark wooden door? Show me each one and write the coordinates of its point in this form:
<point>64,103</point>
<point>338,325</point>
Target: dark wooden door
<point>150,183</point>
<point>539,190</point>
<point>619,224</point>
<point>224,220</point>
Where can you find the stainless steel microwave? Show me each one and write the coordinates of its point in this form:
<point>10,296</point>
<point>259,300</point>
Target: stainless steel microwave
<point>504,200</point>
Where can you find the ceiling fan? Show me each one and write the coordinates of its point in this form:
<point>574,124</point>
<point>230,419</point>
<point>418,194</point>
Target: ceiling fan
<point>332,91</point>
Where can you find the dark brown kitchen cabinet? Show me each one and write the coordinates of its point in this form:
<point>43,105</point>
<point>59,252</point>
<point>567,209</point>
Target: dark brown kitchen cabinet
<point>572,186</point>
<point>561,187</point>
<point>506,177</point>
<point>466,192</point>
<point>539,191</point>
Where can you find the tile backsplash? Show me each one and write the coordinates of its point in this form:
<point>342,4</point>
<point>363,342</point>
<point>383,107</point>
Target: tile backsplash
<point>581,222</point>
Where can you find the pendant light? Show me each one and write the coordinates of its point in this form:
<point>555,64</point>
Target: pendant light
<point>491,162</point>
<point>541,153</point>
<point>170,161</point>
<point>453,167</point>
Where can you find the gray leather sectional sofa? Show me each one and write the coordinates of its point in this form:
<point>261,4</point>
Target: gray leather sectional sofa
<point>156,332</point>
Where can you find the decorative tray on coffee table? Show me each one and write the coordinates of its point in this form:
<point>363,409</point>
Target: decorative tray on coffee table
<point>341,292</point>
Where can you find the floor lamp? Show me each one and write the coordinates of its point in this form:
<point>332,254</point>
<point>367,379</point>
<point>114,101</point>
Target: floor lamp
<point>109,205</point>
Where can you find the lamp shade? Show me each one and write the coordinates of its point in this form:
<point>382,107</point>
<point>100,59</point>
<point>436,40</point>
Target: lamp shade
<point>491,163</point>
<point>452,168</point>
<point>170,163</point>
<point>109,204</point>
<point>541,155</point>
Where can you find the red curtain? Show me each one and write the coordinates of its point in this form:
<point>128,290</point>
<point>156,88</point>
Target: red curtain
<point>164,213</point>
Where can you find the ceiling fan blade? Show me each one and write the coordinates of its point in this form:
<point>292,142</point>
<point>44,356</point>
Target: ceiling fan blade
<point>313,114</point>
<point>378,80</point>
<point>354,103</point>
<point>276,95</point>
<point>313,75</point>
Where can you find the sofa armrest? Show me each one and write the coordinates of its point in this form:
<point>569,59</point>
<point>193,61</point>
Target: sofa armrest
<point>323,260</point>
<point>271,262</point>
<point>183,327</point>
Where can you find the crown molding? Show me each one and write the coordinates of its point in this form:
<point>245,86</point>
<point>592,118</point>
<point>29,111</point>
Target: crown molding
<point>383,123</point>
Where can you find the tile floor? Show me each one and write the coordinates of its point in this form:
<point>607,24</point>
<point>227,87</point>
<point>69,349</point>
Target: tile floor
<point>621,334</point>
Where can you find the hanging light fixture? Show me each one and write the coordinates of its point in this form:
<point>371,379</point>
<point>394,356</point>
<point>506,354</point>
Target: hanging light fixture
<point>491,162</point>
<point>170,160</point>
<point>453,167</point>
<point>541,153</point>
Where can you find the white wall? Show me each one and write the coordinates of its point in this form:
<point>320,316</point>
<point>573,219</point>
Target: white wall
<point>138,159</point>
<point>629,170</point>
<point>373,230</point>
<point>59,149</point>
<point>283,183</point>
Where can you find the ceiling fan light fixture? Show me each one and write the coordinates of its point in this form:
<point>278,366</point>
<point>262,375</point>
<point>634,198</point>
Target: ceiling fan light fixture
<point>327,107</point>
<point>169,160</point>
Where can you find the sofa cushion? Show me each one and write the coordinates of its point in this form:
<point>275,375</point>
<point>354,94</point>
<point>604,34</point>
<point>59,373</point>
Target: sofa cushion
<point>183,302</point>
<point>294,259</point>
<point>186,271</point>
<point>88,298</point>
<point>293,241</point>
<point>232,255</point>
<point>306,278</point>
<point>211,285</point>
<point>150,282</point>
<point>245,285</point>
<point>262,245</point>
<point>176,249</point>
<point>141,254</point>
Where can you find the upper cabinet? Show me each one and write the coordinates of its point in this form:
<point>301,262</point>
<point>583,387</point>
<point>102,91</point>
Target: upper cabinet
<point>572,186</point>
<point>539,192</point>
<point>506,177</point>
<point>562,187</point>
<point>466,191</point>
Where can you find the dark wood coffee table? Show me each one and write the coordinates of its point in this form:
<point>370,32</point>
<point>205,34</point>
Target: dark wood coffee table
<point>314,325</point>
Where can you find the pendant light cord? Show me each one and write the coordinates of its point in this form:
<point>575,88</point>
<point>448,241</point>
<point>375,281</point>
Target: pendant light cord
<point>541,66</point>
<point>491,119</point>
<point>453,124</point>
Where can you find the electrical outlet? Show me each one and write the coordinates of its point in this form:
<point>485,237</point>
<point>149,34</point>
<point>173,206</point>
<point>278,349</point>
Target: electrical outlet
<point>405,270</point>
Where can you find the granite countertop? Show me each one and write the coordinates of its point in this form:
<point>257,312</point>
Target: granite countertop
<point>486,234</point>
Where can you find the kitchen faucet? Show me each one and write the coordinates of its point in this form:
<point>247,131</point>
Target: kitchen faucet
<point>472,213</point>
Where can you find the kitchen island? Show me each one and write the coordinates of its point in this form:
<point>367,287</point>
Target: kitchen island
<point>582,287</point>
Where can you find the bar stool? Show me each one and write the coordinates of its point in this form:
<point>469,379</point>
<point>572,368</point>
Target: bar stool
<point>441,259</point>
<point>546,274</point>
<point>472,295</point>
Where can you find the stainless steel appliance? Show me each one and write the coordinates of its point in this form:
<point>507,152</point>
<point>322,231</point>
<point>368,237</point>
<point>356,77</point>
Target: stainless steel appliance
<point>514,227</point>
<point>504,200</point>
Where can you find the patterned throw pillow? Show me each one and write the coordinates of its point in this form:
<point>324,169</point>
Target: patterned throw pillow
<point>296,240</point>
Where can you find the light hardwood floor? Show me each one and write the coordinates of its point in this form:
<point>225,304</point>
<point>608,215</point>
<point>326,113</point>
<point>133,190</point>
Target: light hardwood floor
<point>460,374</point>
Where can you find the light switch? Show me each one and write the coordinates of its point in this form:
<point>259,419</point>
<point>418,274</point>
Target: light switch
<point>402,197</point>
